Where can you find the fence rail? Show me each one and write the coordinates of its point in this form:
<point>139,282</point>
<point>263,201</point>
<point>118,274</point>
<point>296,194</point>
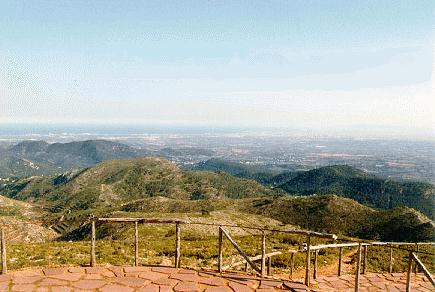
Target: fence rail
<point>362,253</point>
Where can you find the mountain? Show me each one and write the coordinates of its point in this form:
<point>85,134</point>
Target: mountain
<point>119,181</point>
<point>135,187</point>
<point>265,174</point>
<point>362,187</point>
<point>21,222</point>
<point>41,158</point>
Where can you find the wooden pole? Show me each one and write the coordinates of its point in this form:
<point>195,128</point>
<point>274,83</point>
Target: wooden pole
<point>408,276</point>
<point>263,253</point>
<point>177,245</point>
<point>93,260</point>
<point>416,252</point>
<point>3,251</point>
<point>358,267</point>
<point>423,269</point>
<point>269,266</point>
<point>315,264</point>
<point>340,259</point>
<point>292,264</point>
<point>365,259</point>
<point>136,244</point>
<point>307,262</point>
<point>220,250</point>
<point>246,267</point>
<point>241,252</point>
<point>390,269</point>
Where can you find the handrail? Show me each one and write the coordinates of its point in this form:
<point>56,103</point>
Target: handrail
<point>414,257</point>
<point>145,220</point>
<point>239,249</point>
<point>253,259</point>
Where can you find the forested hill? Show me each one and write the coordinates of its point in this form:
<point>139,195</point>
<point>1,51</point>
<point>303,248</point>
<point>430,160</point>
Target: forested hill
<point>41,158</point>
<point>341,180</point>
<point>367,189</point>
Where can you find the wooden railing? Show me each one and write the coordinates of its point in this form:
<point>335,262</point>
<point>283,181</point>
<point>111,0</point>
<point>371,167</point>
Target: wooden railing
<point>413,257</point>
<point>362,255</point>
<point>222,232</point>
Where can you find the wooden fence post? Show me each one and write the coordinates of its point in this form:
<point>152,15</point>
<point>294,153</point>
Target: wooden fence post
<point>340,258</point>
<point>263,253</point>
<point>269,266</point>
<point>177,245</point>
<point>390,269</point>
<point>136,244</point>
<point>358,267</point>
<point>316,252</point>
<point>220,250</point>
<point>408,276</point>
<point>416,252</point>
<point>365,259</point>
<point>93,259</point>
<point>307,262</point>
<point>3,251</point>
<point>292,264</point>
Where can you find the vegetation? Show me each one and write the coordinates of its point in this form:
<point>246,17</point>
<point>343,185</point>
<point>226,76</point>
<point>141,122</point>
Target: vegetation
<point>153,187</point>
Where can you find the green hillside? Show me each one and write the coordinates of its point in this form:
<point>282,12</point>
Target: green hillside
<point>269,175</point>
<point>367,189</point>
<point>41,158</point>
<point>119,181</point>
<point>152,185</point>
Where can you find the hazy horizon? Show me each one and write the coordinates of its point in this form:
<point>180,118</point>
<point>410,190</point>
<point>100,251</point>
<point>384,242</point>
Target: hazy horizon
<point>333,68</point>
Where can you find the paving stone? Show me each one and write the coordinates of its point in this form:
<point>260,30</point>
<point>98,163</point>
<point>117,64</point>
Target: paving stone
<point>88,284</point>
<point>149,288</point>
<point>185,277</point>
<point>219,289</point>
<point>136,269</point>
<point>118,271</point>
<point>26,280</point>
<point>265,290</point>
<point>186,271</point>
<point>42,289</point>
<point>293,285</point>
<point>131,281</point>
<point>153,276</point>
<point>92,277</point>
<point>28,273</point>
<point>60,289</point>
<point>186,287</point>
<point>95,270</point>
<point>212,281</point>
<point>53,282</point>
<point>166,282</point>
<point>76,270</point>
<point>239,287</point>
<point>54,271</point>
<point>165,289</point>
<point>116,288</point>
<point>5,278</point>
<point>269,283</point>
<point>23,287</point>
<point>68,276</point>
<point>166,270</point>
<point>4,286</point>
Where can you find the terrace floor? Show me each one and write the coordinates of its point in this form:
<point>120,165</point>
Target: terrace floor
<point>165,279</point>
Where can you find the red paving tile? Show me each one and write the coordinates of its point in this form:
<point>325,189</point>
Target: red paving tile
<point>166,279</point>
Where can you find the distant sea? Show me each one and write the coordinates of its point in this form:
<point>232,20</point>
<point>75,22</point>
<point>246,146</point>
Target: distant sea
<point>112,129</point>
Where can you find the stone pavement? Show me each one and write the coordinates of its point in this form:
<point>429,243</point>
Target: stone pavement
<point>165,279</point>
<point>373,282</point>
<point>148,279</point>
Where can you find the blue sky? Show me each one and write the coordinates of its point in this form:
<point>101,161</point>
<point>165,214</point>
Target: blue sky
<point>324,66</point>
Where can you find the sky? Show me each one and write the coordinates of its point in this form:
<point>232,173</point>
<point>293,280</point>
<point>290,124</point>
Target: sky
<point>331,67</point>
